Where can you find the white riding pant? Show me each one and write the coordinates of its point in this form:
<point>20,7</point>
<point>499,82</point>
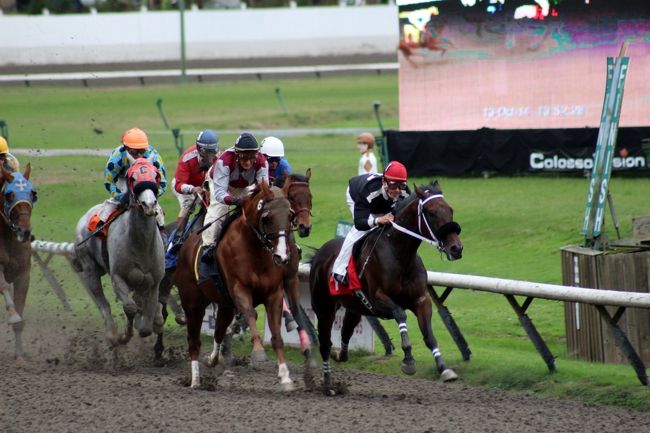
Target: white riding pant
<point>110,205</point>
<point>216,212</point>
<point>341,263</point>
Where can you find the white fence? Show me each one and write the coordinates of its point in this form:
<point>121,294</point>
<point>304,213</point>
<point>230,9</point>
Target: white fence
<point>508,288</point>
<point>136,37</point>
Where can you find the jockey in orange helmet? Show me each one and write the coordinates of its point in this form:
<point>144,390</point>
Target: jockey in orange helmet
<point>371,198</point>
<point>135,144</point>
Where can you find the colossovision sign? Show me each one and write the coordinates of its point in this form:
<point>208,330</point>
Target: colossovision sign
<point>540,161</point>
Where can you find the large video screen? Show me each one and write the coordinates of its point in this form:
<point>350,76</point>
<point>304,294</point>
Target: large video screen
<point>469,64</point>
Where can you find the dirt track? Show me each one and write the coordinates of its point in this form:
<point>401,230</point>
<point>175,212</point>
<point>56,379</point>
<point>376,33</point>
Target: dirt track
<point>72,383</point>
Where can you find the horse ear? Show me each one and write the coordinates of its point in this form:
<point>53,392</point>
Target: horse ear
<point>28,170</point>
<point>418,190</point>
<point>308,174</point>
<point>264,187</point>
<point>286,185</point>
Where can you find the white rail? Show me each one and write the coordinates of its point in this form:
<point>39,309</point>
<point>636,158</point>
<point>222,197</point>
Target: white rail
<point>199,73</point>
<point>527,288</point>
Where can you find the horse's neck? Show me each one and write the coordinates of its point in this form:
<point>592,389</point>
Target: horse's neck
<point>141,228</point>
<point>405,244</point>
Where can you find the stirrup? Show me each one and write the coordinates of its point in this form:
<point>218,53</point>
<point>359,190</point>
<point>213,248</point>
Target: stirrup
<point>341,279</point>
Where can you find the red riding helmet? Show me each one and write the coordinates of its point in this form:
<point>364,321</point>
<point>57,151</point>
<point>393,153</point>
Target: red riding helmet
<point>395,171</point>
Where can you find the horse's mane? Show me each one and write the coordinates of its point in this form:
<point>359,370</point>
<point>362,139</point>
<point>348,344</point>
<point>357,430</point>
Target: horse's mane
<point>433,188</point>
<point>279,181</point>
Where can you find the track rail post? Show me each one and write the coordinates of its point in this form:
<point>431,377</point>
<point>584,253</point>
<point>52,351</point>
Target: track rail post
<point>449,321</point>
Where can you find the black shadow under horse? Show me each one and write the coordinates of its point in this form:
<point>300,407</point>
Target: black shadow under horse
<point>392,275</point>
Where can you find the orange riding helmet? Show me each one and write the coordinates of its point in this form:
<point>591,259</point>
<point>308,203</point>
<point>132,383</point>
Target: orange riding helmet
<point>135,138</point>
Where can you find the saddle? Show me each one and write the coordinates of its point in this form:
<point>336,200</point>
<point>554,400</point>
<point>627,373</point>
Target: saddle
<point>94,221</point>
<point>210,271</point>
<point>354,283</point>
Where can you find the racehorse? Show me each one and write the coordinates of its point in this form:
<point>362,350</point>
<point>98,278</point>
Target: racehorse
<point>16,201</point>
<point>300,198</point>
<point>134,257</point>
<point>392,276</point>
<point>251,257</point>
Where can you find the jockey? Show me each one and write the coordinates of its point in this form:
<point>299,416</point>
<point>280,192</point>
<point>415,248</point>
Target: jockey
<point>236,169</point>
<point>368,160</point>
<point>273,150</point>
<point>190,173</point>
<point>371,198</point>
<point>135,144</point>
<point>9,162</point>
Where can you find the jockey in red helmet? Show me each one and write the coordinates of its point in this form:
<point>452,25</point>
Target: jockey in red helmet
<point>371,198</point>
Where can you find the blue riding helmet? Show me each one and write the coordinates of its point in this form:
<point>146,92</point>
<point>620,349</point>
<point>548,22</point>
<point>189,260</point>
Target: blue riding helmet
<point>207,140</point>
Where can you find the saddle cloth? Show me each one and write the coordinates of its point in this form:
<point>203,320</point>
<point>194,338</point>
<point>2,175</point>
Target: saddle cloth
<point>94,221</point>
<point>337,289</point>
<point>210,272</point>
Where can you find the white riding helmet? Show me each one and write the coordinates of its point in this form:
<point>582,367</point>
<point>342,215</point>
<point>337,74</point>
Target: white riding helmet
<point>272,146</point>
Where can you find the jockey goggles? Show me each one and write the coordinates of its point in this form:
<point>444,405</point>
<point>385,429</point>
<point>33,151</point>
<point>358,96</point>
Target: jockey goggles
<point>136,152</point>
<point>273,159</point>
<point>247,156</point>
<point>395,185</point>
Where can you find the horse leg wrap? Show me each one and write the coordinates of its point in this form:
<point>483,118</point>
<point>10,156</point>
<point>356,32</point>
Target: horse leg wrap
<point>13,316</point>
<point>196,379</point>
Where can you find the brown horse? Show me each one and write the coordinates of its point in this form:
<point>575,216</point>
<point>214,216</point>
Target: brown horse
<point>300,198</point>
<point>16,202</point>
<point>392,276</point>
<point>251,256</point>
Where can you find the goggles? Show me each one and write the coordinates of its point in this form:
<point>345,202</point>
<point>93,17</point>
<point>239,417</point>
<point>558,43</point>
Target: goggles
<point>136,152</point>
<point>249,156</point>
<point>395,185</point>
<point>273,159</point>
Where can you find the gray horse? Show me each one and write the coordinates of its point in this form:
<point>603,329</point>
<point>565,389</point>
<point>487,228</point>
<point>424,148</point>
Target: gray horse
<point>134,259</point>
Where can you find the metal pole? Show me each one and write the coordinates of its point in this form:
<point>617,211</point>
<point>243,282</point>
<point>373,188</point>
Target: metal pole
<point>181,9</point>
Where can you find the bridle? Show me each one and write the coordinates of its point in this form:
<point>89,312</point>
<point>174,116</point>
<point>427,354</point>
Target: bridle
<point>263,236</point>
<point>8,208</point>
<point>429,236</point>
<point>296,212</point>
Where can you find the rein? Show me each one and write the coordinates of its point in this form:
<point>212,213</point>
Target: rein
<point>433,239</point>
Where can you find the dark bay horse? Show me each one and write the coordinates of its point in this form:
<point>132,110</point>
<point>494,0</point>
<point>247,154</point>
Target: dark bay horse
<point>300,198</point>
<point>251,256</point>
<point>392,275</point>
<point>133,257</point>
<point>16,201</point>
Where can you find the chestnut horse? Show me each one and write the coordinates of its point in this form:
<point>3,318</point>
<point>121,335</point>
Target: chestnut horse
<point>251,257</point>
<point>392,276</point>
<point>16,202</point>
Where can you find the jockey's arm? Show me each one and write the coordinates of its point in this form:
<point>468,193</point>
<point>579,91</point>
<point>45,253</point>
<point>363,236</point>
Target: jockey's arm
<point>363,219</point>
<point>221,182</point>
<point>262,173</point>
<point>111,174</point>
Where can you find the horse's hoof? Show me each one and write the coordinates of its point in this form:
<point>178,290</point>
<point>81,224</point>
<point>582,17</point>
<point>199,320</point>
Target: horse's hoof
<point>340,355</point>
<point>288,386</point>
<point>448,375</point>
<point>211,361</point>
<point>310,361</point>
<point>14,318</point>
<point>258,356</point>
<point>181,320</point>
<point>195,385</point>
<point>408,368</point>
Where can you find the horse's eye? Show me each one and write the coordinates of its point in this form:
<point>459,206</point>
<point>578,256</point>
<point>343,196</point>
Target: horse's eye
<point>266,216</point>
<point>9,196</point>
<point>34,196</point>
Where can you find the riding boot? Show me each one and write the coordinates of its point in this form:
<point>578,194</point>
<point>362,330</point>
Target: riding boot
<point>177,240</point>
<point>207,253</point>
